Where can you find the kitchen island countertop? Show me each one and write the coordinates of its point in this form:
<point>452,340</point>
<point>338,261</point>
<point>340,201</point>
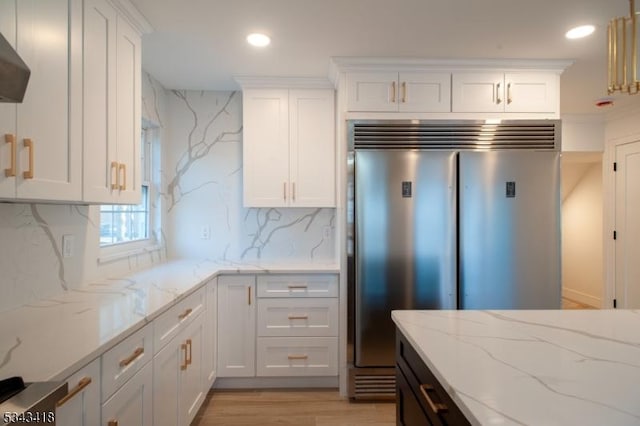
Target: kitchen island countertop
<point>533,367</point>
<point>52,338</point>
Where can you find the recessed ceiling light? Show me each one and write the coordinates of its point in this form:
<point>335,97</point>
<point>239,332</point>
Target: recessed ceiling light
<point>579,32</point>
<point>258,40</point>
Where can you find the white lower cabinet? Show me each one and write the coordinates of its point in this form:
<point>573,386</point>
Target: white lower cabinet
<point>178,377</point>
<point>236,326</point>
<point>297,356</point>
<point>131,404</point>
<point>211,333</point>
<point>81,405</point>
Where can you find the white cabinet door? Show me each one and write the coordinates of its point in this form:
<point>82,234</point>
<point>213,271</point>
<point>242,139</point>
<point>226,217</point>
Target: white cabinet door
<point>211,331</point>
<point>477,92</point>
<point>131,405</point>
<point>81,405</point>
<point>49,120</point>
<point>312,148</point>
<point>192,383</point>
<point>7,111</point>
<point>128,99</point>
<point>532,92</point>
<point>372,91</point>
<point>266,148</point>
<point>167,365</point>
<point>99,52</point>
<point>424,92</point>
<point>236,326</point>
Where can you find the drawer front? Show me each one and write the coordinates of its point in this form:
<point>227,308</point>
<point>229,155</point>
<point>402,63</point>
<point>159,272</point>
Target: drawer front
<point>297,356</point>
<point>121,362</point>
<point>298,317</point>
<point>170,323</point>
<point>81,405</point>
<point>297,285</point>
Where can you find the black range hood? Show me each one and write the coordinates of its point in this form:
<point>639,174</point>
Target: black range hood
<point>14,73</point>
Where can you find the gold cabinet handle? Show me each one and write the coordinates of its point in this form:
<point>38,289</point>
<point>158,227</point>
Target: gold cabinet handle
<point>393,92</point>
<point>83,383</point>
<point>184,366</point>
<point>296,286</point>
<point>435,407</point>
<point>498,100</point>
<point>11,139</point>
<point>128,360</point>
<point>404,92</point>
<point>284,191</point>
<point>249,295</point>
<point>298,356</point>
<point>509,100</point>
<point>122,170</point>
<point>190,347</point>
<point>293,191</point>
<point>112,423</point>
<point>114,175</point>
<point>185,314</point>
<point>28,143</point>
<point>298,317</point>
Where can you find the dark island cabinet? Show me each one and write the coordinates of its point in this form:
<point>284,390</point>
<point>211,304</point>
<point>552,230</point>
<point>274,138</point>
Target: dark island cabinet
<point>420,398</point>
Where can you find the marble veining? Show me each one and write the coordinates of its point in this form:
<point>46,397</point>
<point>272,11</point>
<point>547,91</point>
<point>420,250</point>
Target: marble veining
<point>501,367</point>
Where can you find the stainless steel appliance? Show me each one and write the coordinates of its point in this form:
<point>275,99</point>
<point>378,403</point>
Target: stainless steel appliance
<point>446,215</point>
<point>31,403</point>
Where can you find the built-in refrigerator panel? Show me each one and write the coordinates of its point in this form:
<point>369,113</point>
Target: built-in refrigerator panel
<point>509,230</point>
<point>405,215</point>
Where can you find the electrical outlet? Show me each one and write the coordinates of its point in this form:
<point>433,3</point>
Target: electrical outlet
<point>68,243</point>
<point>205,232</point>
<point>326,232</point>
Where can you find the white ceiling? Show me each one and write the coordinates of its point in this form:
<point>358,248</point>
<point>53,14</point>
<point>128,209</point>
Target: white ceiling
<point>200,44</point>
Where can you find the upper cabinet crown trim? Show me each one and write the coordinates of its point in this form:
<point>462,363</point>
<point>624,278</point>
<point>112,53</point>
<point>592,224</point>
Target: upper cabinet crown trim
<point>135,18</point>
<point>341,64</point>
<point>251,82</point>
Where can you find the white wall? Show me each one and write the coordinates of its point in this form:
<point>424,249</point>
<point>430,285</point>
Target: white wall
<point>31,265</point>
<point>204,190</point>
<point>582,245</point>
<point>583,132</point>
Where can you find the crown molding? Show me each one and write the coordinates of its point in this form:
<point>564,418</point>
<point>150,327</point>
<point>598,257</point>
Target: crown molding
<point>253,82</point>
<point>133,15</point>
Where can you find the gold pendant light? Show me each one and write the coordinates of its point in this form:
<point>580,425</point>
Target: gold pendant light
<point>623,53</point>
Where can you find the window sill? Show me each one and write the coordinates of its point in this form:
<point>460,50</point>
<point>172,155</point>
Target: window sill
<point>115,253</point>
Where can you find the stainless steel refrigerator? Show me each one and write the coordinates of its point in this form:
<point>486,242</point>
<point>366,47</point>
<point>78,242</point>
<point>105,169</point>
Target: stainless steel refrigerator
<point>446,215</point>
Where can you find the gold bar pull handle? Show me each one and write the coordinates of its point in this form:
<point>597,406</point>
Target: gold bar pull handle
<point>83,383</point>
<point>114,175</point>
<point>183,347</point>
<point>509,99</point>
<point>128,360</point>
<point>11,139</point>
<point>249,295</point>
<point>284,191</point>
<point>498,100</point>
<point>297,286</point>
<point>185,314</point>
<point>436,407</point>
<point>404,92</point>
<point>190,347</point>
<point>28,143</point>
<point>293,191</point>
<point>298,317</point>
<point>292,357</point>
<point>393,92</point>
<point>112,423</point>
<point>122,170</point>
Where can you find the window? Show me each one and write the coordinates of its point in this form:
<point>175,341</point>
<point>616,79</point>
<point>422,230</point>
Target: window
<point>126,223</point>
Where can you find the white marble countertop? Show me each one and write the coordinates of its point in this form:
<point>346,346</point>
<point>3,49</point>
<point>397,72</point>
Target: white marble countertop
<point>575,367</point>
<point>53,338</point>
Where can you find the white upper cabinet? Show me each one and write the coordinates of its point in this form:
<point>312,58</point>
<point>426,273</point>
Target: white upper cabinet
<point>112,106</point>
<point>41,156</point>
<point>521,92</point>
<point>399,92</point>
<point>289,148</point>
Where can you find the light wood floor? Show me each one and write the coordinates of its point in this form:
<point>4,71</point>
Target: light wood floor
<point>291,407</point>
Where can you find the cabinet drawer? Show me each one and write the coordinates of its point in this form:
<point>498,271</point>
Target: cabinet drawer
<point>293,285</point>
<point>297,356</point>
<point>81,405</point>
<point>169,324</point>
<point>132,404</point>
<point>121,362</point>
<point>298,317</point>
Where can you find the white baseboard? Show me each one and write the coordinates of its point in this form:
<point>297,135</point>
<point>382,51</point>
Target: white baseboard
<point>581,297</point>
<point>275,382</point>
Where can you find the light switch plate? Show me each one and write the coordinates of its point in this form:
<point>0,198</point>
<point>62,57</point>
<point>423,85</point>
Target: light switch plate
<point>68,243</point>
